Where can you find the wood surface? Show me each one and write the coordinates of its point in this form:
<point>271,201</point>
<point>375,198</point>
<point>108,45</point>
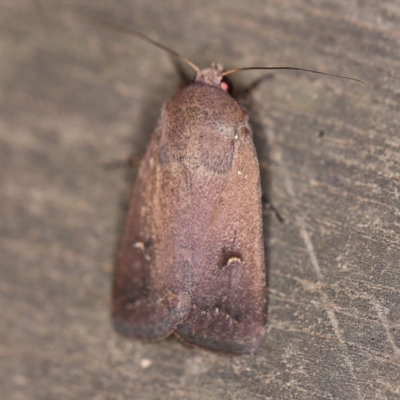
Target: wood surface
<point>75,98</point>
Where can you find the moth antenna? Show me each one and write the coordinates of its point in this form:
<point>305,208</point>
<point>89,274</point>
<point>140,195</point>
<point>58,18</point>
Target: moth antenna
<point>293,69</point>
<point>132,32</point>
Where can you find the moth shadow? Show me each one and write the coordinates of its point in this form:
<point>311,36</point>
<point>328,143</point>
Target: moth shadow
<point>245,98</point>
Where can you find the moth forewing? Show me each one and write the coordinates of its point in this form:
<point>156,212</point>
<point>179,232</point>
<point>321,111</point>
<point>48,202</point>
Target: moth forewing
<point>151,289</point>
<point>228,282</point>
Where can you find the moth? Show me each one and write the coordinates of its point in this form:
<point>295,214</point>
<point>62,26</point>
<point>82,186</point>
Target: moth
<point>191,258</point>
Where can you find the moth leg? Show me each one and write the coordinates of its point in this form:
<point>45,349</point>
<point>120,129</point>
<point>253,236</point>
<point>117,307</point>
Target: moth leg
<point>270,207</point>
<point>132,161</point>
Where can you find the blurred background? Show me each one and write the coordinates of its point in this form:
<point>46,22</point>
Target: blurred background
<point>75,98</point>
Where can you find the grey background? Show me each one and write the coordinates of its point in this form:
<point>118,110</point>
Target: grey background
<point>74,98</point>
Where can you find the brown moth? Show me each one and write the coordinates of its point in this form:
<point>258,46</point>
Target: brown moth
<point>191,260</point>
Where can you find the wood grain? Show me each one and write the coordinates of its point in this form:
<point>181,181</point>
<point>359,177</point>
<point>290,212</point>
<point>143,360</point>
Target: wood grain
<point>74,98</point>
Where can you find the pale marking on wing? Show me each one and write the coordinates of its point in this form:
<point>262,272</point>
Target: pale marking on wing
<point>141,246</point>
<point>233,259</point>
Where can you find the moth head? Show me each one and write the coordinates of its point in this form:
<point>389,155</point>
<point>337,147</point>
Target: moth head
<point>213,76</point>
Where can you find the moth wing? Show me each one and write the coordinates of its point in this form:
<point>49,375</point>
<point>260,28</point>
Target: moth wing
<point>228,283</point>
<point>151,288</point>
